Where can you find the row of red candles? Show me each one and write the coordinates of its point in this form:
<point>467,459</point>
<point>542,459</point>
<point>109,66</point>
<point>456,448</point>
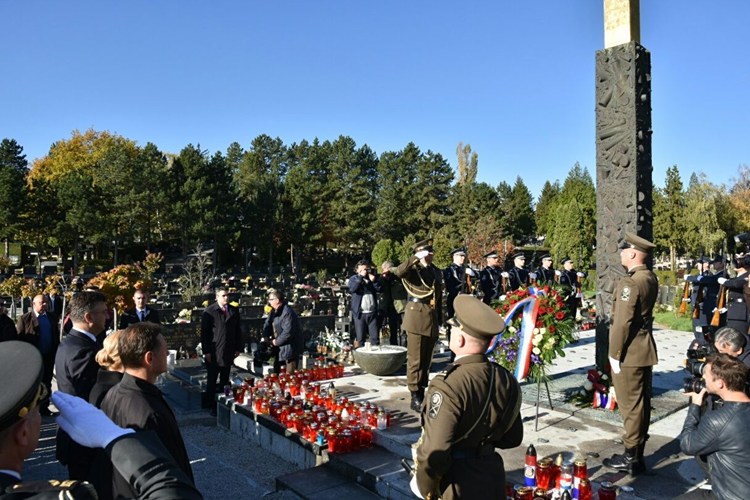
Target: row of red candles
<point>312,410</point>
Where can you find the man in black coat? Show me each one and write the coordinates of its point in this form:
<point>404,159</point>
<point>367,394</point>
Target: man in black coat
<point>76,369</point>
<point>282,328</point>
<point>41,329</point>
<point>140,312</point>
<point>364,286</point>
<point>221,339</point>
<point>7,327</point>
<point>137,403</point>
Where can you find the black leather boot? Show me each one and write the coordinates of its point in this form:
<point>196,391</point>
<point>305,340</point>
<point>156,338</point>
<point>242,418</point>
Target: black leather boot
<point>631,461</point>
<point>416,400</point>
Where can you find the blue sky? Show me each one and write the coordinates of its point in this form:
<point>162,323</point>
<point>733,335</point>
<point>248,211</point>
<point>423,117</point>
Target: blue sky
<point>513,79</point>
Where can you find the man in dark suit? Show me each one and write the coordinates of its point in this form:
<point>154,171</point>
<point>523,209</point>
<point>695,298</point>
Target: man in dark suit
<point>55,302</point>
<point>41,329</point>
<point>364,286</point>
<point>424,314</point>
<point>137,403</point>
<point>7,327</point>
<point>76,369</point>
<point>140,313</point>
<point>221,339</point>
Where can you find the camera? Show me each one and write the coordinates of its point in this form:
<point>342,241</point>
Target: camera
<point>695,363</point>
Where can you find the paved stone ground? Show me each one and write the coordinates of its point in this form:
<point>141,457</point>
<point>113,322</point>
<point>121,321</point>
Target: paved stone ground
<point>228,467</point>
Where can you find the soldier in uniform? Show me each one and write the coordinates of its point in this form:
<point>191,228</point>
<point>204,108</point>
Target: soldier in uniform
<point>736,314</point>
<point>569,281</point>
<point>546,273</point>
<point>517,276</point>
<point>490,280</point>
<point>701,318</point>
<point>470,409</point>
<point>632,351</point>
<point>424,285</point>
<point>457,280</point>
<point>141,457</point>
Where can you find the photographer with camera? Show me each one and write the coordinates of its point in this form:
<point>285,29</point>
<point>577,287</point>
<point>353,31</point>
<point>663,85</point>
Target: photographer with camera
<point>364,286</point>
<point>730,341</point>
<point>720,436</point>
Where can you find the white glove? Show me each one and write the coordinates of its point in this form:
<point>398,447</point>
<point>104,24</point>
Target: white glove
<point>580,274</point>
<point>470,271</point>
<point>700,277</point>
<point>615,365</point>
<point>85,423</point>
<point>504,274</point>
<point>532,276</point>
<point>722,281</point>
<point>557,273</point>
<point>421,254</point>
<point>414,487</point>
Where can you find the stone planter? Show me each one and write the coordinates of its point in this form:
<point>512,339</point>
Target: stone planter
<point>383,360</point>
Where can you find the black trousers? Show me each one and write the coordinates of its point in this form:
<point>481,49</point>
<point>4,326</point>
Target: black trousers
<point>213,371</point>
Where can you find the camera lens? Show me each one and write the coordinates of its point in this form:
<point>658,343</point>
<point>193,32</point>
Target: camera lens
<point>695,384</point>
<point>695,367</point>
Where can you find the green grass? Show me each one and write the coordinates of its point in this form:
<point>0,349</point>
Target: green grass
<point>673,321</point>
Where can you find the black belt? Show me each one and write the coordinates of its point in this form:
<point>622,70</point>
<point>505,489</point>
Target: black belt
<point>420,301</point>
<point>483,451</point>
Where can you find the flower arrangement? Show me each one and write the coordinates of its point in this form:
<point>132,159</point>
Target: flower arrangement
<point>538,327</point>
<point>184,316</point>
<point>597,391</point>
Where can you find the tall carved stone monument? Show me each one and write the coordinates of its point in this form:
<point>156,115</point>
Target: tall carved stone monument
<point>623,152</point>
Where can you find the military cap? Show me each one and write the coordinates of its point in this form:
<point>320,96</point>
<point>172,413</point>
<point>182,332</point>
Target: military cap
<point>566,259</point>
<point>546,256</point>
<point>634,241</point>
<point>718,258</point>
<point>459,251</point>
<point>475,318</point>
<point>21,370</point>
<point>423,245</point>
<point>518,255</point>
<point>492,254</point>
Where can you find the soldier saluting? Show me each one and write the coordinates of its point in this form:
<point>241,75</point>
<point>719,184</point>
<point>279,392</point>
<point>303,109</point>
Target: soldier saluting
<point>424,284</point>
<point>470,409</point>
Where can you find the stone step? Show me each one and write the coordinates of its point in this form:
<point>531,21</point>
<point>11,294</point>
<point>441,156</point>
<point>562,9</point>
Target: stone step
<point>322,482</point>
<point>376,469</point>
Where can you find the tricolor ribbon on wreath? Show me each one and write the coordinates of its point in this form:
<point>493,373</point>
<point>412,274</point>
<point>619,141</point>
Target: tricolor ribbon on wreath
<point>530,307</point>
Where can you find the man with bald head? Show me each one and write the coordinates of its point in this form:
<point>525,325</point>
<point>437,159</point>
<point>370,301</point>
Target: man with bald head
<point>41,329</point>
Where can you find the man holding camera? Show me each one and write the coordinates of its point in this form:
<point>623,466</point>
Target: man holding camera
<point>727,340</point>
<point>364,287</point>
<point>720,435</point>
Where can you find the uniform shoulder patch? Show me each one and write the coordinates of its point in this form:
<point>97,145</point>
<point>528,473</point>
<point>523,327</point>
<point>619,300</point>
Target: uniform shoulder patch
<point>436,401</point>
<point>625,294</point>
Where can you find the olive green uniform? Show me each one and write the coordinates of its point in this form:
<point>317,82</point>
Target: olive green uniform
<point>422,318</point>
<point>631,342</point>
<point>470,409</point>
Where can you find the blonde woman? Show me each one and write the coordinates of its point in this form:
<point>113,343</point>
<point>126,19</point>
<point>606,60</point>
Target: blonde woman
<point>111,369</point>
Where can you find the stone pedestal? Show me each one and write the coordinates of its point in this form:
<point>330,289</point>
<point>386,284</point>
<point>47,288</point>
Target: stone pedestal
<point>623,168</point>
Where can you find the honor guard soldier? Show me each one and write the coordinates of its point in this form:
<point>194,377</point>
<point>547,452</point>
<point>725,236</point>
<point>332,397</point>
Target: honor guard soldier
<point>470,409</point>
<point>569,280</point>
<point>736,314</point>
<point>701,313</point>
<point>457,279</point>
<point>490,279</point>
<point>545,275</point>
<point>517,276</point>
<point>424,285</point>
<point>632,351</point>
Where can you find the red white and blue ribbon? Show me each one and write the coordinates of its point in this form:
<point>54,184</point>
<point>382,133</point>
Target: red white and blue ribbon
<point>530,307</point>
<point>604,400</point>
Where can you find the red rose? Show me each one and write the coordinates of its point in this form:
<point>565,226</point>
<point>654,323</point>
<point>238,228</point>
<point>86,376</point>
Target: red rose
<point>560,316</point>
<point>551,328</point>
